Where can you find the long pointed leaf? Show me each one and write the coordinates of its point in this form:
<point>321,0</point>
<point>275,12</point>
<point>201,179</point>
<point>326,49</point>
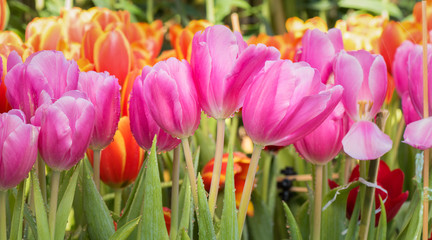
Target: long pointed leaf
<point>292,226</point>
<point>382,225</point>
<point>18,212</point>
<point>41,215</point>
<point>229,226</point>
<point>153,224</point>
<point>125,231</point>
<point>205,223</point>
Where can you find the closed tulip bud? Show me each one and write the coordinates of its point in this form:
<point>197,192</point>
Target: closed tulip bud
<point>18,148</point>
<point>400,71</point>
<point>320,48</point>
<point>66,127</point>
<point>103,90</point>
<point>143,127</point>
<point>171,96</point>
<point>122,159</point>
<point>223,67</point>
<point>324,143</point>
<point>287,102</point>
<point>43,76</point>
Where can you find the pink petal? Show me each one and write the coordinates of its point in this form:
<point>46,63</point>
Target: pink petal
<point>365,141</point>
<point>377,84</point>
<point>13,59</point>
<point>400,70</point>
<point>419,134</point>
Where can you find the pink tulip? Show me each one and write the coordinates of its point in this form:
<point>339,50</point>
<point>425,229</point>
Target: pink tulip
<point>419,134</point>
<point>66,128</point>
<point>223,67</point>
<point>18,148</point>
<point>46,73</point>
<point>324,143</point>
<point>400,70</point>
<point>286,102</point>
<point>409,113</point>
<point>319,50</point>
<point>364,78</point>
<point>143,127</point>
<point>103,91</point>
<point>171,96</point>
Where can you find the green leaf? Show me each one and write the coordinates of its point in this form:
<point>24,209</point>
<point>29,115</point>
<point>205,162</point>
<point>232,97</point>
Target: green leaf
<point>303,220</point>
<point>100,223</point>
<point>353,223</point>
<point>229,226</point>
<point>382,225</point>
<point>333,217</point>
<point>66,204</point>
<point>30,220</point>
<point>18,212</point>
<point>125,231</point>
<point>412,225</point>
<point>153,223</point>
<point>182,235</point>
<point>205,223</point>
<point>374,6</point>
<point>292,227</point>
<point>185,194</point>
<point>41,215</point>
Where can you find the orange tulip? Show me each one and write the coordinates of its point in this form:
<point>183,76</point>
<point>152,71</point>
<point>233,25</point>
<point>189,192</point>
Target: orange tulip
<point>121,161</point>
<point>241,166</point>
<point>126,90</point>
<point>44,33</point>
<point>89,39</point>
<point>3,8</point>
<point>298,27</point>
<point>112,53</point>
<point>286,44</point>
<point>417,12</point>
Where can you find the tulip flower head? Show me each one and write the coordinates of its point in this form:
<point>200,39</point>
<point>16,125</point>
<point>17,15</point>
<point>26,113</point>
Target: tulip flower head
<point>391,181</point>
<point>286,102</point>
<point>103,90</point>
<point>223,67</point>
<point>364,78</point>
<point>172,98</point>
<point>66,127</point>
<point>143,127</point>
<point>18,148</point>
<point>45,75</point>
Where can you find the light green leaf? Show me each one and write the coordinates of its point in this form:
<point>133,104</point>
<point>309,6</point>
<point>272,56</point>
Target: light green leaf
<point>153,223</point>
<point>353,223</point>
<point>18,212</point>
<point>125,231</point>
<point>412,224</point>
<point>41,215</point>
<point>292,228</point>
<point>229,226</point>
<point>100,224</point>
<point>205,223</point>
<point>382,225</point>
<point>186,195</point>
<point>374,6</point>
<point>66,204</point>
<point>182,235</point>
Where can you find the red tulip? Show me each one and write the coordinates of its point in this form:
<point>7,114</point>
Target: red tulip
<point>391,181</point>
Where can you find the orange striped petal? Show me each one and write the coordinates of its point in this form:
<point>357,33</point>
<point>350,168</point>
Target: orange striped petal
<point>85,65</point>
<point>3,11</point>
<point>126,90</point>
<point>112,53</point>
<point>104,17</point>
<point>89,40</point>
<point>9,37</point>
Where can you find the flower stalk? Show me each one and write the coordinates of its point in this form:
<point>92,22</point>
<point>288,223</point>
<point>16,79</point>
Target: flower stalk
<point>247,190</point>
<point>175,193</point>
<point>316,232</point>
<point>190,170</point>
<point>117,200</point>
<point>3,197</point>
<point>214,187</point>
<point>42,177</point>
<point>55,181</point>
<point>96,168</point>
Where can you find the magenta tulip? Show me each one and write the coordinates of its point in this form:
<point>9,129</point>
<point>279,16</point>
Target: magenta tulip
<point>324,143</point>
<point>103,90</point>
<point>286,102</point>
<point>319,50</point>
<point>223,67</point>
<point>364,78</point>
<point>45,73</point>
<point>143,127</point>
<point>18,148</point>
<point>171,96</point>
<point>400,70</point>
<point>409,113</point>
<point>66,127</point>
<point>419,134</point>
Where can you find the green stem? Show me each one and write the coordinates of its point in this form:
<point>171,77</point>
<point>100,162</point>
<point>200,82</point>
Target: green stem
<point>118,200</point>
<point>322,12</point>
<point>191,171</point>
<point>327,172</point>
<point>55,181</point>
<point>149,11</point>
<point>316,231</point>
<point>3,197</point>
<point>247,190</point>
<point>96,168</point>
<point>233,131</point>
<point>175,193</point>
<point>348,163</point>
<point>266,178</point>
<point>210,11</point>
<point>369,197</point>
<point>42,177</point>
<point>214,187</point>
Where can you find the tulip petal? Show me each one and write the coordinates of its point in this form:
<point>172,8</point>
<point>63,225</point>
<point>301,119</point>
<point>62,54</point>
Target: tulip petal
<point>418,134</point>
<point>377,84</point>
<point>365,141</point>
<point>13,59</point>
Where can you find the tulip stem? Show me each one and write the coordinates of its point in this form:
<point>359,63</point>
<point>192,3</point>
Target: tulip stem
<point>247,190</point>
<point>118,200</point>
<point>190,170</point>
<point>266,177</point>
<point>96,168</point>
<point>55,181</point>
<point>347,171</point>
<point>3,197</point>
<point>175,193</point>
<point>42,177</point>
<point>149,11</point>
<point>214,187</point>
<point>316,231</point>
<point>210,11</point>
<point>368,200</point>
<point>233,131</point>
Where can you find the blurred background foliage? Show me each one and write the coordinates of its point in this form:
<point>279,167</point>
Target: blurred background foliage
<point>255,15</point>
